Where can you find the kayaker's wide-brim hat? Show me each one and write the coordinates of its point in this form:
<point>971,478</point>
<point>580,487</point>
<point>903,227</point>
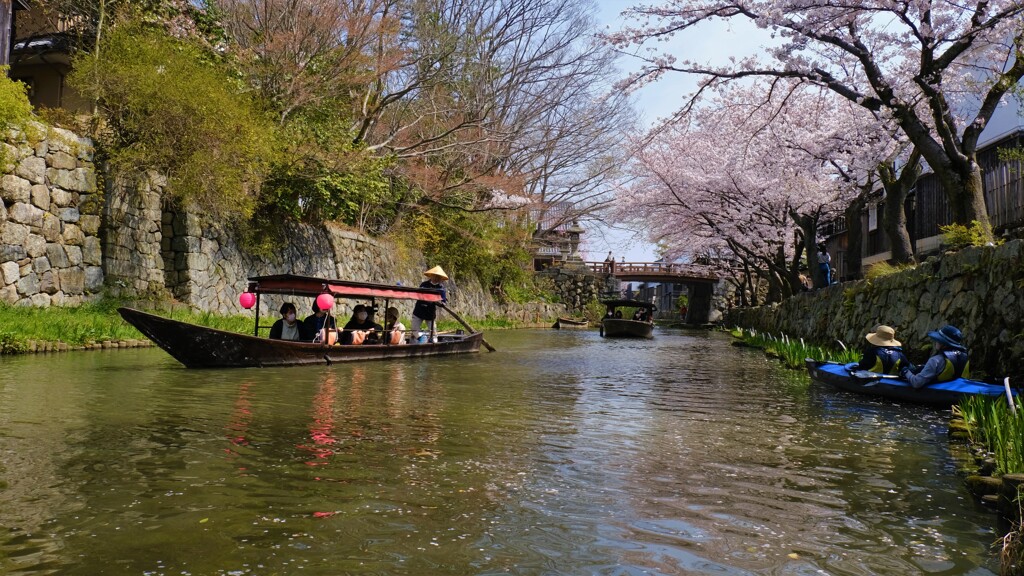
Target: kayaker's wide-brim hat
<point>436,272</point>
<point>883,336</point>
<point>948,335</point>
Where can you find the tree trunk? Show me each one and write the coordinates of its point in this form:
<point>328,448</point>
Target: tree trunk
<point>962,183</point>
<point>808,224</point>
<point>894,214</point>
<point>855,235</point>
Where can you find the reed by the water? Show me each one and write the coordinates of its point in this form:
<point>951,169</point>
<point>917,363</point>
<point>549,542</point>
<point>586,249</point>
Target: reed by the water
<point>992,423</point>
<point>792,352</point>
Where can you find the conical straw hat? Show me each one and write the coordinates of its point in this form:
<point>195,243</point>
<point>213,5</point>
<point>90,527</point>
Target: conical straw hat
<point>436,271</point>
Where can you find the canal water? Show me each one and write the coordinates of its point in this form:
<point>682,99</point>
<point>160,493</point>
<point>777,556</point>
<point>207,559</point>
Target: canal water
<point>562,453</point>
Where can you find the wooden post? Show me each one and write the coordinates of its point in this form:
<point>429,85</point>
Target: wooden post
<point>6,27</point>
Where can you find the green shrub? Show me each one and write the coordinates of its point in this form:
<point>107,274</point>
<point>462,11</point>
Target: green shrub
<point>477,244</point>
<point>11,343</point>
<point>883,269</point>
<point>15,109</point>
<point>957,236</point>
<point>169,106</point>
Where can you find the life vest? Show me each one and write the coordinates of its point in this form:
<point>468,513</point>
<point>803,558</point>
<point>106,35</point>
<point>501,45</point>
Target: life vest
<point>888,360</point>
<point>957,366</point>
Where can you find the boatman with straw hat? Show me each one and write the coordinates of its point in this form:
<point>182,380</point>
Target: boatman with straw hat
<point>427,311</point>
<point>948,362</point>
<point>883,352</point>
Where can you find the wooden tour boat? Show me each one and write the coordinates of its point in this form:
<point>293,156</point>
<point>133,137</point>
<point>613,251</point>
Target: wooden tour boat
<point>943,394</point>
<point>613,327</point>
<point>201,347</point>
<point>570,324</point>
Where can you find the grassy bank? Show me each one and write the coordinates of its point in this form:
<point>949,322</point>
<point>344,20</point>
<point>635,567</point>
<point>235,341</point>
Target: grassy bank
<point>88,324</point>
<point>22,327</point>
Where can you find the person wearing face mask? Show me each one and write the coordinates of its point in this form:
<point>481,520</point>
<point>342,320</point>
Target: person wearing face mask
<point>361,329</point>
<point>287,327</point>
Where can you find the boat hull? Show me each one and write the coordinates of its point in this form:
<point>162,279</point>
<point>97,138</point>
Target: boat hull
<point>942,394</point>
<point>569,324</point>
<point>622,328</point>
<point>201,347</point>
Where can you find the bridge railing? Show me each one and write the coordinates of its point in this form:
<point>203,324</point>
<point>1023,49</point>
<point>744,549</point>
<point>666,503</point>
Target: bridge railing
<point>652,269</point>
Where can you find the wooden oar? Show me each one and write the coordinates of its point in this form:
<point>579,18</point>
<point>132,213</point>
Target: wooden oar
<point>468,327</point>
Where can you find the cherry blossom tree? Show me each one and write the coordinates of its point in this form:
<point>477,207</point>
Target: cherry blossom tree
<point>937,69</point>
<point>746,175</point>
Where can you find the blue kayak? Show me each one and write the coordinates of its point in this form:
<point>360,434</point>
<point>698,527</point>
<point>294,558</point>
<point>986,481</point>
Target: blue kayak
<point>939,394</point>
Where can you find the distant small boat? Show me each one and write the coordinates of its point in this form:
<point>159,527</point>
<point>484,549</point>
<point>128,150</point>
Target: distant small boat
<point>943,394</point>
<point>570,324</point>
<point>612,327</point>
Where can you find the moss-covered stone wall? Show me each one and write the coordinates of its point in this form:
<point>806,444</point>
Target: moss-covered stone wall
<point>979,290</point>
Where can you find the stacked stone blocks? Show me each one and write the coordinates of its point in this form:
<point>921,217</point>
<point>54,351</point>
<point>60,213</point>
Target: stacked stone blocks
<point>50,250</point>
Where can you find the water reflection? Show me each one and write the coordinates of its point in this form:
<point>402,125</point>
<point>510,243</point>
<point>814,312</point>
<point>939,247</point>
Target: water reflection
<point>562,453</point>
<point>322,428</point>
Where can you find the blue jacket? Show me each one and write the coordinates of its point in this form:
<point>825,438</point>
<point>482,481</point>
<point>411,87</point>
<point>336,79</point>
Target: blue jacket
<point>942,367</point>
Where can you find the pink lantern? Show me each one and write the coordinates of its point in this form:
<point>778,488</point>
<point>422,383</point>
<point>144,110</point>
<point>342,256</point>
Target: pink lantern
<point>325,302</point>
<point>247,300</point>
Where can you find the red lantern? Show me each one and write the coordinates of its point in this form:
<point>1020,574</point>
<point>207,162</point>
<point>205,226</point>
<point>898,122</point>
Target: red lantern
<point>325,302</point>
<point>247,300</point>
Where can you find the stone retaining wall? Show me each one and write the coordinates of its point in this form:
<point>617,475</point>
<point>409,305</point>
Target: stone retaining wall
<point>62,242</point>
<point>50,250</point>
<point>979,290</point>
<point>578,287</point>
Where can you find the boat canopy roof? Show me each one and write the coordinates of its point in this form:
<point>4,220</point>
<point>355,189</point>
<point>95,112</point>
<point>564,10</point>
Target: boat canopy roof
<point>628,303</point>
<point>310,286</point>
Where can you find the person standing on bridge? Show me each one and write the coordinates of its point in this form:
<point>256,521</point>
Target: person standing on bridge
<point>609,263</point>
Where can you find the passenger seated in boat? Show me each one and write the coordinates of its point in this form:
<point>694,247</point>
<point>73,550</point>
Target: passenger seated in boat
<point>618,313</point>
<point>883,352</point>
<point>315,323</point>
<point>288,327</point>
<point>948,362</point>
<point>361,329</point>
<point>394,328</point>
<point>638,314</point>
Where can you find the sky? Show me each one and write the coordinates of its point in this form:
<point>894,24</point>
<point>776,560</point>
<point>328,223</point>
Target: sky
<point>712,43</point>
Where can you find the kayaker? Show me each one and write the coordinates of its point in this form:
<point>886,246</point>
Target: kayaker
<point>948,362</point>
<point>883,352</point>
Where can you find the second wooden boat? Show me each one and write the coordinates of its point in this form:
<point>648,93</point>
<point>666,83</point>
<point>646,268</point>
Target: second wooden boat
<point>640,324</point>
<point>570,324</point>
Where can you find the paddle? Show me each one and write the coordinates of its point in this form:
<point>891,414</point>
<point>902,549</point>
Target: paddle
<point>468,327</point>
<point>868,375</point>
